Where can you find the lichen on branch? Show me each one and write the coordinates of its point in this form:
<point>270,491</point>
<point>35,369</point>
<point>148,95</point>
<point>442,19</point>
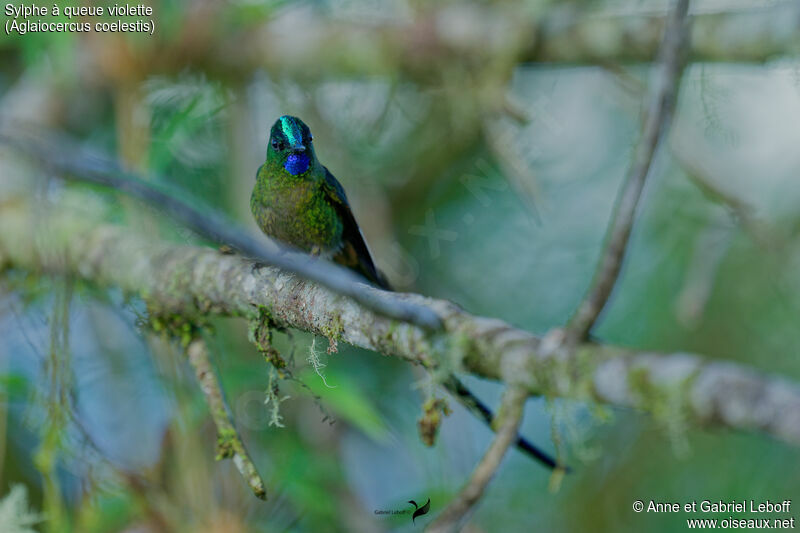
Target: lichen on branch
<point>712,393</point>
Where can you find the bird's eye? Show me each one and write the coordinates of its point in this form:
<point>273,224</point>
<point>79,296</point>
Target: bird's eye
<point>310,137</point>
<point>276,144</point>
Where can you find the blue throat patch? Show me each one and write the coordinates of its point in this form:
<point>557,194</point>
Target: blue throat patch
<point>296,164</point>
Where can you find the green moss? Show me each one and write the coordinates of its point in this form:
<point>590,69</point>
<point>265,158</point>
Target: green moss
<point>442,356</point>
<point>226,444</point>
<point>175,326</point>
<point>333,330</point>
<point>274,399</point>
<point>584,364</point>
<point>551,373</point>
<point>458,346</point>
<point>273,357</point>
<point>260,334</point>
<point>389,335</point>
<point>385,340</point>
<point>265,315</point>
<point>666,402</point>
<point>433,410</point>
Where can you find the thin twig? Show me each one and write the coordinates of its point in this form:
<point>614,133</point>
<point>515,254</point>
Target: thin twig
<point>659,116</point>
<point>509,416</point>
<point>484,413</point>
<point>75,162</point>
<point>230,442</point>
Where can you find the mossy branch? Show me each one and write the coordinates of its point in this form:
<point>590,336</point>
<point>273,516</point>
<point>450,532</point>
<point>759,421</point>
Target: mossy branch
<point>194,280</point>
<point>70,160</point>
<point>229,442</point>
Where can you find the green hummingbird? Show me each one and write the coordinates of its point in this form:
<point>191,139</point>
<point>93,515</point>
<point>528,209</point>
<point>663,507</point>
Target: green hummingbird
<point>297,201</point>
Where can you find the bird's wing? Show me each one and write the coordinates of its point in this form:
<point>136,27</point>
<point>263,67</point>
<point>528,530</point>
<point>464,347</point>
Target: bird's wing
<point>354,253</point>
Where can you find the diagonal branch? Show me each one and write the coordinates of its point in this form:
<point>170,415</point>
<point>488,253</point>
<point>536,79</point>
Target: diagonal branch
<point>664,93</point>
<point>191,281</point>
<point>508,420</point>
<point>73,161</point>
<point>61,157</point>
<point>229,443</point>
<point>481,411</point>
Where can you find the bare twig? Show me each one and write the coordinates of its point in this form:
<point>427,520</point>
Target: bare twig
<point>229,442</point>
<point>508,420</point>
<point>659,116</point>
<point>481,411</point>
<point>76,162</point>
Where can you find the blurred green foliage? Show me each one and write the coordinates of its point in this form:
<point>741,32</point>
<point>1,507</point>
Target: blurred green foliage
<point>460,199</point>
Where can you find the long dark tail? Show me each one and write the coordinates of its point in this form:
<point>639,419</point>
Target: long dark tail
<point>479,409</point>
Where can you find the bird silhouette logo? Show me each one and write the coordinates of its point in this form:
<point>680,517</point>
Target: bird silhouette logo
<point>419,510</point>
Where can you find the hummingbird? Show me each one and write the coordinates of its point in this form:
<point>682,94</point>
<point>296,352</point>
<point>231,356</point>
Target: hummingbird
<point>296,200</point>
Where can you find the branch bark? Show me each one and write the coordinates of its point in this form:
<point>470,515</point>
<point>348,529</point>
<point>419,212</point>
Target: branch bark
<point>229,442</point>
<point>664,94</point>
<point>193,281</point>
<point>70,160</point>
<point>66,158</point>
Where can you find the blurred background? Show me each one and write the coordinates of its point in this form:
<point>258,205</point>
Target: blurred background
<point>481,145</point>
